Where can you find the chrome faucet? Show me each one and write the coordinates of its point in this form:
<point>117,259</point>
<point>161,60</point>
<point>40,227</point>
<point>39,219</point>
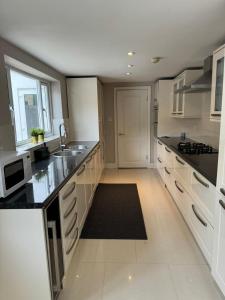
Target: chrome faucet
<point>62,144</point>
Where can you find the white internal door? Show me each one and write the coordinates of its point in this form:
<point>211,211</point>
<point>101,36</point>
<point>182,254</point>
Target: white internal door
<point>132,128</point>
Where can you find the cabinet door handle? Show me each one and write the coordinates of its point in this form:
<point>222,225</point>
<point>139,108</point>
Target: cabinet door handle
<point>222,191</point>
<point>167,150</point>
<point>222,204</point>
<point>89,159</point>
<point>73,243</point>
<point>197,216</point>
<point>180,161</point>
<point>159,143</point>
<point>167,171</point>
<point>159,160</point>
<point>81,171</point>
<point>71,226</point>
<point>216,115</point>
<point>70,209</point>
<point>178,187</point>
<point>200,180</point>
<point>69,191</point>
<point>52,227</point>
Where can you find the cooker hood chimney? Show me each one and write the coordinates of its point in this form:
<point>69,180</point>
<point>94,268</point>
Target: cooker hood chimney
<point>203,83</point>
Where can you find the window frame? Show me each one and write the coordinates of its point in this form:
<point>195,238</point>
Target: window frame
<point>41,81</point>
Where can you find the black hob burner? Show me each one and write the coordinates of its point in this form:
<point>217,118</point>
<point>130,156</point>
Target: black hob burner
<point>195,148</point>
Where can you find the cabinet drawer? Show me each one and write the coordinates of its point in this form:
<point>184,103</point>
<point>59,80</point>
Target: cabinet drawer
<point>168,157</point>
<point>160,168</point>
<point>182,170</point>
<point>160,150</point>
<point>181,198</point>
<point>201,229</point>
<point>205,193</point>
<point>67,194</point>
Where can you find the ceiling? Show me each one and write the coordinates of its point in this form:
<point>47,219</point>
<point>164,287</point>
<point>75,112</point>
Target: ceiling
<point>92,37</point>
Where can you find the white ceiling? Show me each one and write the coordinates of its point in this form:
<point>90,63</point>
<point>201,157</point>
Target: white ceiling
<point>92,37</point>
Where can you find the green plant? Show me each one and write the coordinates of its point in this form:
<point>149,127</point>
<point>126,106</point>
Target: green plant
<point>40,131</point>
<point>34,132</point>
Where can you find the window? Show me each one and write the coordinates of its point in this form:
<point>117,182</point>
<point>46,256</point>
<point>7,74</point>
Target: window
<point>30,105</point>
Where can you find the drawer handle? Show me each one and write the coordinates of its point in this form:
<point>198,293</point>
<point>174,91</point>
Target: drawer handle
<point>69,191</point>
<point>89,159</point>
<point>200,180</point>
<point>167,171</point>
<point>222,191</point>
<point>178,187</point>
<point>81,171</point>
<point>73,243</point>
<point>159,160</point>
<point>167,150</point>
<point>197,216</point>
<point>222,204</point>
<point>71,226</point>
<point>181,162</point>
<point>159,143</point>
<point>70,209</point>
<point>216,115</point>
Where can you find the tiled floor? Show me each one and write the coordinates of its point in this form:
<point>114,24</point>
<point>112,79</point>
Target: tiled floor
<point>168,266</point>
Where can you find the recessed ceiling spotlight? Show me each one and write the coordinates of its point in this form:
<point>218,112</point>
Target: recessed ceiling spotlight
<point>130,66</point>
<point>128,73</point>
<point>131,53</point>
<point>156,60</point>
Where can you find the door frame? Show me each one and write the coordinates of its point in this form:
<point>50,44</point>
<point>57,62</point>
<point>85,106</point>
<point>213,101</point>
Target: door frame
<point>148,89</point>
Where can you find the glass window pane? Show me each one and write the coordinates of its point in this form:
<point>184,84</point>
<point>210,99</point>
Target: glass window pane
<point>219,84</point>
<point>45,107</point>
<point>31,105</point>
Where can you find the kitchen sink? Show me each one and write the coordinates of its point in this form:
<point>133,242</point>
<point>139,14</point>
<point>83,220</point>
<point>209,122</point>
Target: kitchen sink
<point>79,147</point>
<point>67,153</point>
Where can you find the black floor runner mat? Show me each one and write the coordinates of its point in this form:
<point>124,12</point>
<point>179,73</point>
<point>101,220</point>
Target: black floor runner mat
<point>115,214</point>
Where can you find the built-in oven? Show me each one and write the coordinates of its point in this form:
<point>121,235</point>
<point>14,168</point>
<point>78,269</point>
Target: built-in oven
<point>15,171</point>
<point>54,246</point>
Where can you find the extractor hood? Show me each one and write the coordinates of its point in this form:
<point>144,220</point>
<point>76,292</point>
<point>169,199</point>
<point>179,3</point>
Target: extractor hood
<point>203,83</point>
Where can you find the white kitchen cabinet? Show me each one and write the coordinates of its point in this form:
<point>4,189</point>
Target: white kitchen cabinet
<point>186,105</point>
<point>193,194</point>
<point>217,83</point>
<point>182,170</point>
<point>218,263</point>
<point>201,229</point>
<point>204,193</point>
<point>160,159</point>
<point>24,271</point>
<point>85,109</point>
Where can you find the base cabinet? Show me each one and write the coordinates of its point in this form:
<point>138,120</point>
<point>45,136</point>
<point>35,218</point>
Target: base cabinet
<point>218,265</point>
<point>75,201</point>
<point>193,195</point>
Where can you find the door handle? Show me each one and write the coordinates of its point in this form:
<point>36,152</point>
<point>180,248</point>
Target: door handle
<point>121,133</point>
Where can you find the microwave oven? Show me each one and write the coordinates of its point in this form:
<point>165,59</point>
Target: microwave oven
<point>15,171</point>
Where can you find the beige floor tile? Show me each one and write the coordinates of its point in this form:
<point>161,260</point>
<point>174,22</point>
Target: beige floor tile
<point>86,282</point>
<point>87,250</point>
<point>116,251</point>
<point>138,282</point>
<point>194,283</point>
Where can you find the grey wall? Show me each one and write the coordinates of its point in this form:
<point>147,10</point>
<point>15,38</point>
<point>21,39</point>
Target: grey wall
<point>7,140</point>
<point>109,116</point>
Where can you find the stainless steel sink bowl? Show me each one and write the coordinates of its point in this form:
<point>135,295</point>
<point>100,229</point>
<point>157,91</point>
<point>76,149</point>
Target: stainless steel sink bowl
<point>67,153</point>
<point>79,147</point>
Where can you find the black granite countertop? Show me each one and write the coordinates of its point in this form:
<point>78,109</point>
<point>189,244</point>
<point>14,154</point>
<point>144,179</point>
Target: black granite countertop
<point>205,164</point>
<point>48,178</point>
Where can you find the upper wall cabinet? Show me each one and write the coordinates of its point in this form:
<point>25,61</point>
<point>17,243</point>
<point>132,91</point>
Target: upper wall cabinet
<point>85,109</point>
<point>185,105</point>
<point>217,83</point>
